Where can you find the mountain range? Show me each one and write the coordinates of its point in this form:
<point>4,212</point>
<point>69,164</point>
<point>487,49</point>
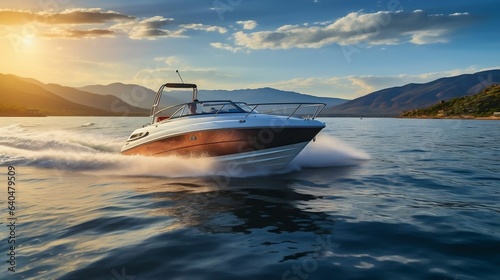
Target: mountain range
<point>485,104</point>
<point>118,98</point>
<point>132,94</point>
<point>394,101</point>
<point>143,97</point>
<point>27,96</point>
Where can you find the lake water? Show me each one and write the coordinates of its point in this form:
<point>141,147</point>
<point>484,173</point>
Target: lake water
<point>370,199</point>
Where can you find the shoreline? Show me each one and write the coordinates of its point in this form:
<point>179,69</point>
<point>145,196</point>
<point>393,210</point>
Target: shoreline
<point>43,116</point>
<point>454,118</point>
<point>388,117</point>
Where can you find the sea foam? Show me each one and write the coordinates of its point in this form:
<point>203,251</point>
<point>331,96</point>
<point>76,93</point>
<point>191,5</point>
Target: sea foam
<point>95,153</point>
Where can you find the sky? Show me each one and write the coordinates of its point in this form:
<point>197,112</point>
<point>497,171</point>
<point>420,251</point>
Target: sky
<point>329,48</point>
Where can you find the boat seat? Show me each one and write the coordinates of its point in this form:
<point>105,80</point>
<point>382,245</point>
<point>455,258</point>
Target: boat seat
<point>159,119</point>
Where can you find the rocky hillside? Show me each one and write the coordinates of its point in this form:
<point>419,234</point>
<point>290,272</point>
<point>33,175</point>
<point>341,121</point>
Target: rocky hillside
<point>483,104</point>
<point>394,101</point>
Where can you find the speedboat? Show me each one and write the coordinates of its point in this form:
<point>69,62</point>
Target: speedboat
<point>266,135</point>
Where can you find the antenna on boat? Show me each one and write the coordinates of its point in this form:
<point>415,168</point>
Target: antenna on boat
<point>177,71</point>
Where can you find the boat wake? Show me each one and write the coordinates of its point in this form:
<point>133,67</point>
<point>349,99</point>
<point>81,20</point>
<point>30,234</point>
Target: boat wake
<point>95,153</point>
<point>328,151</point>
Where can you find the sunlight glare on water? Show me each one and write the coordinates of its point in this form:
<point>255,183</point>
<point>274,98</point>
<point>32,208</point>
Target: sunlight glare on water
<point>369,199</point>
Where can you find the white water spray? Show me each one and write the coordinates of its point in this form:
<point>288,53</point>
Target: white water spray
<point>94,153</point>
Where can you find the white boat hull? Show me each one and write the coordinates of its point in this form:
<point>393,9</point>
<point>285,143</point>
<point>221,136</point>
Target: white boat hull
<point>234,134</point>
<point>267,159</point>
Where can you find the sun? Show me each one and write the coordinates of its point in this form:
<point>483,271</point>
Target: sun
<point>28,41</point>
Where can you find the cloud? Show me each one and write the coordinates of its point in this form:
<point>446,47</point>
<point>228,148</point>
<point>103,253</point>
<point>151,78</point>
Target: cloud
<point>156,22</point>
<point>99,23</point>
<point>247,24</point>
<point>226,47</point>
<point>429,37</point>
<point>149,28</point>
<point>204,77</point>
<point>351,87</point>
<point>70,16</point>
<point>170,60</point>
<point>207,28</point>
<point>78,34</point>
<point>86,16</point>
<point>10,17</point>
<point>155,27</point>
<point>342,87</point>
<point>379,28</point>
<point>94,22</point>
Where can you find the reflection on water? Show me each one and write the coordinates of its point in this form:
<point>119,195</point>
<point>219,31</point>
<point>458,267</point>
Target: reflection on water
<point>414,209</point>
<point>258,216</point>
<point>239,207</point>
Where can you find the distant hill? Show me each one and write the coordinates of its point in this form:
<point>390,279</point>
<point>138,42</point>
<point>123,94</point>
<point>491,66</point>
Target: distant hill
<point>129,99</point>
<point>19,98</point>
<point>135,95</point>
<point>483,104</point>
<point>143,97</point>
<point>104,102</point>
<point>268,95</point>
<point>394,101</point>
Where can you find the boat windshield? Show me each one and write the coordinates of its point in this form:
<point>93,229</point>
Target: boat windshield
<point>218,107</point>
<point>246,108</point>
<point>206,108</point>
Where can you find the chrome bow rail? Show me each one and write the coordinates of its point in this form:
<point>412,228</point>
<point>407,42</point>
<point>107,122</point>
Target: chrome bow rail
<point>218,107</point>
<point>302,110</point>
